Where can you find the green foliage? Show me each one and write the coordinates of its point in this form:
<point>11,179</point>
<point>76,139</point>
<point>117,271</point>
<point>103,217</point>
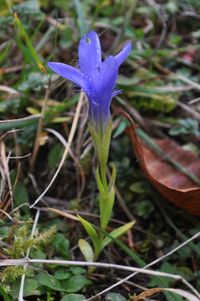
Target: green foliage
<point>73,297</point>
<point>60,245</point>
<point>22,241</point>
<point>10,274</point>
<point>70,285</point>
<point>153,102</point>
<point>86,250</point>
<point>144,208</point>
<point>185,127</point>
<point>3,293</point>
<point>55,155</point>
<point>115,297</point>
<point>20,194</point>
<point>43,30</point>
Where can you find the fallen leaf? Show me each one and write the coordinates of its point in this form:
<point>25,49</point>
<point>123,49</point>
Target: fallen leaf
<point>173,184</point>
<point>152,291</point>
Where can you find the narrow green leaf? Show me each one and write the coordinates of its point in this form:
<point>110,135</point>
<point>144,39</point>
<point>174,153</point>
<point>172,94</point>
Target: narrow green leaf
<point>99,183</point>
<point>81,18</point>
<point>90,231</point>
<point>117,233</point>
<point>19,123</point>
<point>22,33</point>
<point>106,206</point>
<point>113,176</point>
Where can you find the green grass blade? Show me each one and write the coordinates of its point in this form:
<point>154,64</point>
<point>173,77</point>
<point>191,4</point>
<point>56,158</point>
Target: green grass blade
<point>24,36</point>
<point>19,123</point>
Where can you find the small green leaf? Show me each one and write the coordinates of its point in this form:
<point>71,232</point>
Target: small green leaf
<point>55,155</point>
<point>115,297</point>
<point>73,297</point>
<point>46,279</point>
<point>20,194</point>
<point>90,231</point>
<point>31,288</point>
<point>62,274</point>
<point>74,283</point>
<point>86,250</point>
<point>60,244</point>
<point>117,233</point>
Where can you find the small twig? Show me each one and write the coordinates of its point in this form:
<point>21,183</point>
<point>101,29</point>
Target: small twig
<point>189,110</point>
<point>20,120</point>
<point>147,266</point>
<point>76,161</point>
<point>39,129</point>
<point>71,136</point>
<point>195,100</point>
<point>27,261</point>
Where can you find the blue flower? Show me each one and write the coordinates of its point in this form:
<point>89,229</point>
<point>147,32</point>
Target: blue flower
<point>97,78</point>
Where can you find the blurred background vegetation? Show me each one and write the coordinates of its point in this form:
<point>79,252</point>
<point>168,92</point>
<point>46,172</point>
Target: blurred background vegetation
<point>160,92</point>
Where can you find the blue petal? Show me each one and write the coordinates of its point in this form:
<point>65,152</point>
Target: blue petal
<point>89,53</point>
<point>70,73</point>
<point>122,56</point>
<point>103,87</point>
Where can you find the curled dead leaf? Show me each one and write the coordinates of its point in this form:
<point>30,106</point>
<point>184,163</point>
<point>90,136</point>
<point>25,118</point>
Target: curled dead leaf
<point>173,184</point>
<point>152,291</point>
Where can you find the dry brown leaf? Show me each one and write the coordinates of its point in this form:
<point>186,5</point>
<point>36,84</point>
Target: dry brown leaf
<point>170,182</point>
<point>147,293</point>
<point>63,213</point>
<point>152,291</point>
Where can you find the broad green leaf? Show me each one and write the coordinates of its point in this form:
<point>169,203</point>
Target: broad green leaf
<point>60,244</point>
<point>31,288</point>
<point>117,233</point>
<point>62,273</point>
<point>86,250</point>
<point>46,279</point>
<point>74,283</point>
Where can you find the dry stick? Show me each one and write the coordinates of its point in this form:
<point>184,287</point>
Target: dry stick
<point>27,261</point>
<point>21,290</point>
<point>39,129</point>
<point>4,161</point>
<point>71,136</point>
<point>147,266</point>
<point>64,143</point>
<point>189,110</point>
